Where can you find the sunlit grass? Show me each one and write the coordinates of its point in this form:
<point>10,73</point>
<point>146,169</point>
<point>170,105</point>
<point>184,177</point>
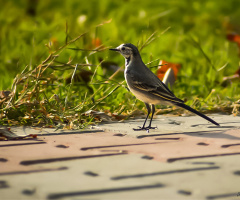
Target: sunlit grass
<point>54,56</point>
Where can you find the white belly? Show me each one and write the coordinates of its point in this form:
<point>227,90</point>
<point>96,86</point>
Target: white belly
<point>147,99</point>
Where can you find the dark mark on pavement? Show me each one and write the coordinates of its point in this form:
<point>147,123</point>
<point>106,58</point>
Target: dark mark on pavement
<point>50,160</point>
<point>118,145</point>
<point>164,173</point>
<point>20,144</point>
<point>221,196</point>
<point>229,145</point>
<point>203,156</point>
<point>3,160</point>
<point>62,146</point>
<point>33,171</point>
<point>102,191</point>
<point>89,173</point>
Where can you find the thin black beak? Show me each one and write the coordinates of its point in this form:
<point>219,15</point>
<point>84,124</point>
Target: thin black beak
<point>114,49</point>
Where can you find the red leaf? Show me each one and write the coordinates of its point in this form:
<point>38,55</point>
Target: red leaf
<point>96,42</point>
<point>165,66</point>
<point>233,37</point>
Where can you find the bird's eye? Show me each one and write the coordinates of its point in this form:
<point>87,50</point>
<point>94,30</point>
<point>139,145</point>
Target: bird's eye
<point>123,48</point>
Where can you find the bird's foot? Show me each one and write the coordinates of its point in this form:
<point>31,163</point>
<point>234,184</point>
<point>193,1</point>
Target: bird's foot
<point>144,128</point>
<point>139,129</point>
<point>150,127</point>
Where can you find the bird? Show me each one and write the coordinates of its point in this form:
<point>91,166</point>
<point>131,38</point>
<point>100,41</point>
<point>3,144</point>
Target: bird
<point>147,87</point>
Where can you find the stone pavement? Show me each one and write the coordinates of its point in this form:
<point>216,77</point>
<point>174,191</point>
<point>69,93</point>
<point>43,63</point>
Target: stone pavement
<point>184,158</point>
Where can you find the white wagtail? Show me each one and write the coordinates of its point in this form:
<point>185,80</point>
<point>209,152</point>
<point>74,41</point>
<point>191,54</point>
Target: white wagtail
<point>146,86</point>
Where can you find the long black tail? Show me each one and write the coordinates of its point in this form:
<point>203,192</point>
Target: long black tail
<point>196,112</point>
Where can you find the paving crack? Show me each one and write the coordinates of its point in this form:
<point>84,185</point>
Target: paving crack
<point>21,144</point>
<point>50,160</point>
<point>230,145</point>
<point>118,145</point>
<point>33,171</point>
<point>221,196</point>
<point>104,191</point>
<point>164,173</point>
<point>202,156</point>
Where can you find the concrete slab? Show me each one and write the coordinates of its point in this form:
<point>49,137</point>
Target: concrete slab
<point>128,177</point>
<point>185,158</point>
<point>174,124</point>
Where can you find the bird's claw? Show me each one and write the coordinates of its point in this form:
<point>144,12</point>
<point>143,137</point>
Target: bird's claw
<point>144,128</point>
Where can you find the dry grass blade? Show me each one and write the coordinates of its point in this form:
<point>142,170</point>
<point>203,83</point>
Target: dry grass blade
<point>152,37</point>
<point>148,41</point>
<point>70,42</point>
<point>74,72</point>
<point>100,100</point>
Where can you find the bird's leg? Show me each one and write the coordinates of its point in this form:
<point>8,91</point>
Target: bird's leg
<point>153,111</point>
<point>143,127</point>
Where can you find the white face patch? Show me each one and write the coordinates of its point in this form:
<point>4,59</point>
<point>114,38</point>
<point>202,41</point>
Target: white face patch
<point>125,51</point>
<point>120,46</point>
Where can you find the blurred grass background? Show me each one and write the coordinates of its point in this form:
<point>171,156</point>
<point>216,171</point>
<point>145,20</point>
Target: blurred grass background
<point>48,92</point>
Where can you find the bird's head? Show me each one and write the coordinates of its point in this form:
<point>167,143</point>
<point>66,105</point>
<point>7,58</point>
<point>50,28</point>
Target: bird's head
<point>127,50</point>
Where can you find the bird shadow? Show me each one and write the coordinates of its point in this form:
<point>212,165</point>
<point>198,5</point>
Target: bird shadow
<point>212,134</point>
<point>222,125</point>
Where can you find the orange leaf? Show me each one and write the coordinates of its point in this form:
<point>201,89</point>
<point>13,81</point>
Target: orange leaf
<point>33,135</point>
<point>165,66</point>
<point>234,38</point>
<point>96,42</point>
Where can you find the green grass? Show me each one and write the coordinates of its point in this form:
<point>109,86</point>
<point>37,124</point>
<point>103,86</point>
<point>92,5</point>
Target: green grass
<point>41,55</point>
